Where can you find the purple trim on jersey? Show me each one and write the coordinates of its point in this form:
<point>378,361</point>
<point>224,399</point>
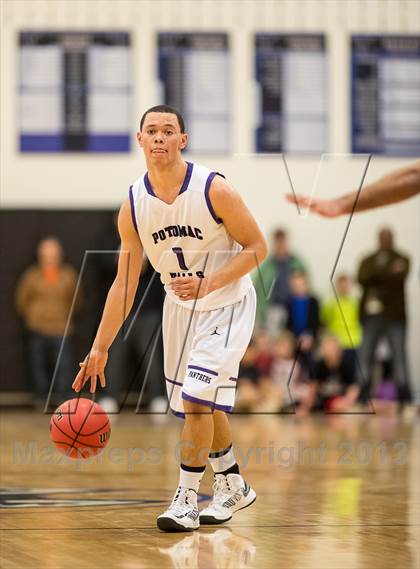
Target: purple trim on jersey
<point>232,378</point>
<point>184,186</point>
<point>207,196</point>
<point>148,185</point>
<point>211,404</point>
<point>178,414</point>
<point>133,209</point>
<point>173,381</point>
<point>187,179</point>
<point>211,372</point>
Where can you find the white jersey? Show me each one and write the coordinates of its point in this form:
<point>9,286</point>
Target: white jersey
<point>186,238</point>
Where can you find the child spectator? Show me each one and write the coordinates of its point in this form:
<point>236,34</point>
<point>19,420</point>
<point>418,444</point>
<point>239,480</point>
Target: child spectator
<point>248,385</point>
<point>256,391</point>
<point>288,380</point>
<point>272,283</point>
<point>333,384</point>
<point>303,317</point>
<point>268,393</point>
<point>340,316</point>
<point>265,355</point>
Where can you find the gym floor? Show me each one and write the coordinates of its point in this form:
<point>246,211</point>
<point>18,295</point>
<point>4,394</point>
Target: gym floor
<point>333,491</point>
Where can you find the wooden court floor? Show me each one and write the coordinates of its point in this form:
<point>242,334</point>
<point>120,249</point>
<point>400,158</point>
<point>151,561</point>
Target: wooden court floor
<point>333,492</point>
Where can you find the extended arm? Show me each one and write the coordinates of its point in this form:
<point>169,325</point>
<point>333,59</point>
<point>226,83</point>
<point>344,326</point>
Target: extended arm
<point>392,188</point>
<point>242,227</point>
<point>118,303</point>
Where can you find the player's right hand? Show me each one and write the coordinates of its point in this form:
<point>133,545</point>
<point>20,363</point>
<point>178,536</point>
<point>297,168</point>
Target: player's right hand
<point>91,368</point>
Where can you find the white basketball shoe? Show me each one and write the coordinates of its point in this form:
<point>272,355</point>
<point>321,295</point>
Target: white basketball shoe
<point>182,514</point>
<point>231,493</point>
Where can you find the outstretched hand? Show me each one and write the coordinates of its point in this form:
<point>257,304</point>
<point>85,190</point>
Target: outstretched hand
<point>91,368</point>
<point>326,208</point>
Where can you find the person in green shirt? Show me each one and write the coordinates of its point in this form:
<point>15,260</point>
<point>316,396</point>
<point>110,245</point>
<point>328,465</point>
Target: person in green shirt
<point>340,316</point>
<point>271,282</point>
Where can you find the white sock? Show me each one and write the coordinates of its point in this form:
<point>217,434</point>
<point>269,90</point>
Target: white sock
<point>190,479</point>
<point>222,460</point>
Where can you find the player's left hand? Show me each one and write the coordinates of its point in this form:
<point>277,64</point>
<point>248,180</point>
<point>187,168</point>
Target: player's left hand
<point>190,288</point>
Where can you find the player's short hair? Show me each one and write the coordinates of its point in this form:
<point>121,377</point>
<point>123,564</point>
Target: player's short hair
<point>164,109</point>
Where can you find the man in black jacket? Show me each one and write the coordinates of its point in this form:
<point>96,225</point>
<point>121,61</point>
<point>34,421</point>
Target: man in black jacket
<point>382,276</point>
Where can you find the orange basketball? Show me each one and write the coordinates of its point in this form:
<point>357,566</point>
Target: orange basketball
<point>80,428</point>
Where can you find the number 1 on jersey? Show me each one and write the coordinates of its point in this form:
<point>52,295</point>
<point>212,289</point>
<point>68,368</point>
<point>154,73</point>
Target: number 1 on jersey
<point>180,256</point>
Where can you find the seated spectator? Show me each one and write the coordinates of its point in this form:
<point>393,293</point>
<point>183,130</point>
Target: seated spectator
<point>265,355</point>
<point>288,379</point>
<point>250,385</point>
<point>340,316</point>
<point>333,384</point>
<point>271,282</point>
<point>44,297</point>
<point>303,317</point>
<point>268,393</point>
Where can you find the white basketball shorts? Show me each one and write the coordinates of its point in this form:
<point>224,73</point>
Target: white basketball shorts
<point>203,350</point>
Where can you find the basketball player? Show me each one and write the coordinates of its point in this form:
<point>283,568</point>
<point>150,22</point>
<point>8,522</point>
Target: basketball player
<point>201,238</point>
<point>395,187</point>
